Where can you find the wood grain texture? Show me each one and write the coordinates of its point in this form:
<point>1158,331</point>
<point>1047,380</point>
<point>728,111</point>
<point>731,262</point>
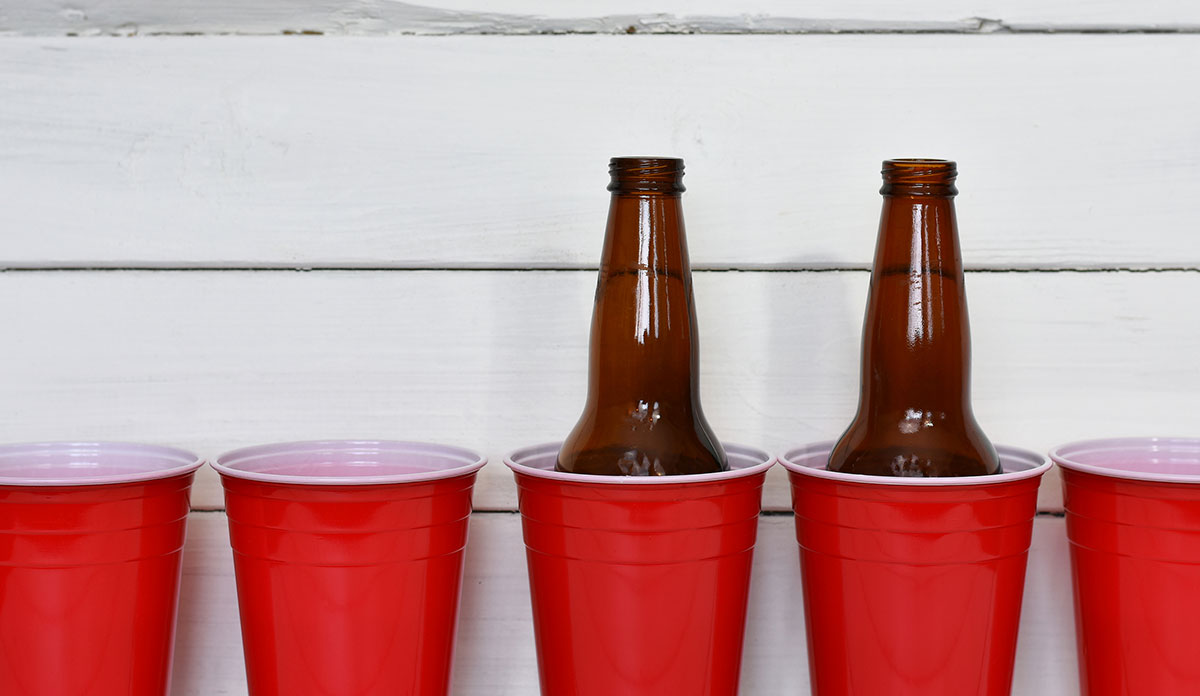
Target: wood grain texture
<point>469,152</point>
<point>489,152</point>
<point>495,653</point>
<point>375,17</point>
<point>495,360</point>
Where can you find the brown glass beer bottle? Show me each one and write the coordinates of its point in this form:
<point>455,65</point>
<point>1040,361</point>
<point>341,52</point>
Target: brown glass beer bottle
<point>642,416</point>
<point>914,411</point>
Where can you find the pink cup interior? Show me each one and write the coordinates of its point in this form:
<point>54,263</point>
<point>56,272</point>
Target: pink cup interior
<point>1139,458</point>
<point>348,462</point>
<point>90,463</point>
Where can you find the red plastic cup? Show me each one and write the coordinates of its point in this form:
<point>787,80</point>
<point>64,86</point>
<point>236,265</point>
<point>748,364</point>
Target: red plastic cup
<point>348,557</point>
<point>1133,520</point>
<point>639,584</point>
<point>912,587</point>
<point>91,541</point>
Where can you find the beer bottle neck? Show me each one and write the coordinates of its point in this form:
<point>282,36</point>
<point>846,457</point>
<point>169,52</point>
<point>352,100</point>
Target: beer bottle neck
<point>643,347</point>
<point>916,341</point>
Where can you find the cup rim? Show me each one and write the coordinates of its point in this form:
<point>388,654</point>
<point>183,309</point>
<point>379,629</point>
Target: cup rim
<point>176,462</point>
<point>1037,464</point>
<point>1067,456</point>
<point>764,461</point>
<point>470,461</point>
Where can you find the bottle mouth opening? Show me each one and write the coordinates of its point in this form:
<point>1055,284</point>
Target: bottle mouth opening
<point>919,176</point>
<point>918,162</point>
<point>646,175</point>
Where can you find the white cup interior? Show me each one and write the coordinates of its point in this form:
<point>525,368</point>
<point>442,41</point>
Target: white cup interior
<point>90,463</point>
<point>348,462</point>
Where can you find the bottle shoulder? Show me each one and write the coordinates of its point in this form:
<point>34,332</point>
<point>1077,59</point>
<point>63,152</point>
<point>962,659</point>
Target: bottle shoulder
<point>641,442</point>
<point>895,449</point>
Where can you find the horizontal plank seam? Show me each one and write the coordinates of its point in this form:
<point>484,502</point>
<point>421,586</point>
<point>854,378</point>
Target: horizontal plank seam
<point>660,27</point>
<point>764,513</point>
<point>698,268</point>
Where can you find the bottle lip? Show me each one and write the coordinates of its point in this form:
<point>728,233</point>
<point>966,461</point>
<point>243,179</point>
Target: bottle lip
<point>917,176</point>
<point>919,163</point>
<point>646,175</point>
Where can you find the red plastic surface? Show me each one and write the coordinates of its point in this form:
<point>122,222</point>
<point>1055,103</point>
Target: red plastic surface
<point>89,583</point>
<point>349,590</point>
<point>639,590</point>
<point>912,590</point>
<point>1135,560</point>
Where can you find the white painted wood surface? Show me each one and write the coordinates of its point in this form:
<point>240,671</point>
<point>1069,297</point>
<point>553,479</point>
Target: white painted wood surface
<point>374,17</point>
<point>495,652</point>
<point>491,151</point>
<point>494,360</point>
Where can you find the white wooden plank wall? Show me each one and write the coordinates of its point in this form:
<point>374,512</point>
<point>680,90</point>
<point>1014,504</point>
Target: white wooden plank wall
<point>439,171</point>
<point>1075,151</point>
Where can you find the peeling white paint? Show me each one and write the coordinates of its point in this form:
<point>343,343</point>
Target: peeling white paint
<point>522,17</point>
